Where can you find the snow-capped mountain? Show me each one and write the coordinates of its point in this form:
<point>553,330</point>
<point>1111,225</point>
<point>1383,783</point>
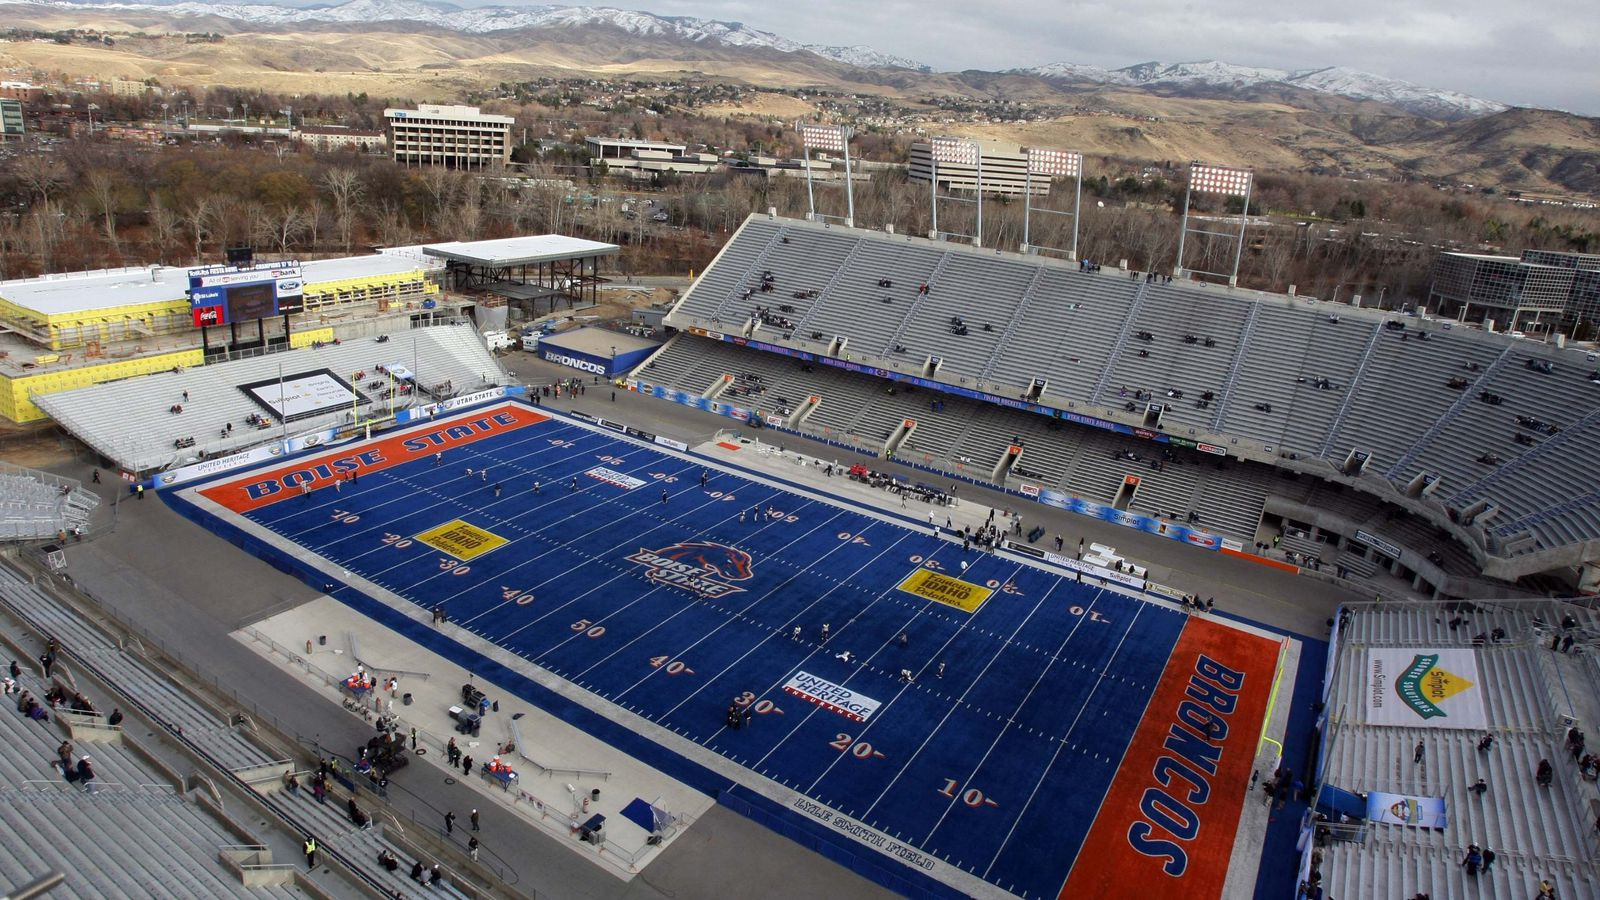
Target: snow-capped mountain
<point>1331,80</point>
<point>485,19</point>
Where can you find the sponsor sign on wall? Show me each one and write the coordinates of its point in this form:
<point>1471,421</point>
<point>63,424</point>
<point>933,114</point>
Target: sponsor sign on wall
<point>1427,688</point>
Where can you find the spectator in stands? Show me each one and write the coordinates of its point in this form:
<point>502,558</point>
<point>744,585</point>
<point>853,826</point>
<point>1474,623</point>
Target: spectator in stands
<point>1472,860</point>
<point>1547,891</point>
<point>1485,743</point>
<point>1544,774</point>
<point>388,860</point>
<point>85,772</point>
<point>1416,754</point>
<point>1479,787</point>
<point>416,870</point>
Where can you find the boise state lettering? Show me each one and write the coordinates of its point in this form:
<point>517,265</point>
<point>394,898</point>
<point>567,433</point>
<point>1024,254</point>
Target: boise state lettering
<point>313,474</point>
<point>1170,808</point>
<point>329,470</point>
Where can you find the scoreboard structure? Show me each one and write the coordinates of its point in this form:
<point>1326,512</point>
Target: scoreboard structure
<point>243,294</point>
<point>230,295</point>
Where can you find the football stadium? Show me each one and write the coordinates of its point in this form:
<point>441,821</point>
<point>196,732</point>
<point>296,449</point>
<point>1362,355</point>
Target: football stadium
<point>901,567</point>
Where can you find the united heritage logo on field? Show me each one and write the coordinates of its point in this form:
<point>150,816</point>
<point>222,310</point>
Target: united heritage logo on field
<point>836,697</point>
<point>701,567</point>
<point>613,477</point>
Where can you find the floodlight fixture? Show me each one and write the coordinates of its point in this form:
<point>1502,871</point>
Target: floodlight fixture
<point>835,139</point>
<point>1230,182</point>
<point>1219,180</point>
<point>1054,163</point>
<point>1051,164</point>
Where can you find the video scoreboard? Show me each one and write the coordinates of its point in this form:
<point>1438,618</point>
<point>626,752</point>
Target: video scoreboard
<point>222,295</point>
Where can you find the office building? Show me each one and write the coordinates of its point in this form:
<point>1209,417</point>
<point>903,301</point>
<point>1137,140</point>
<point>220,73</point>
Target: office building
<point>459,137</point>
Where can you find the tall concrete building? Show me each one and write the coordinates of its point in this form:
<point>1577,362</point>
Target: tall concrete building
<point>11,123</point>
<point>459,137</point>
<point>1005,170</point>
<point>1540,291</point>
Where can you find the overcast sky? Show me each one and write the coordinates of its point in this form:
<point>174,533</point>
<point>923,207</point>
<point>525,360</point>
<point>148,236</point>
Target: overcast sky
<point>1530,53</point>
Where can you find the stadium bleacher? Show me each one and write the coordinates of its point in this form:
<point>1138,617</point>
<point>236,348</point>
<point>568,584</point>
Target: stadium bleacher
<point>1289,378</point>
<point>116,419</point>
<point>36,505</point>
<point>1537,832</point>
<point>970,438</point>
<point>172,846</point>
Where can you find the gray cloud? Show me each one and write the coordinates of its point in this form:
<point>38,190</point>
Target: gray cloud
<point>1537,54</point>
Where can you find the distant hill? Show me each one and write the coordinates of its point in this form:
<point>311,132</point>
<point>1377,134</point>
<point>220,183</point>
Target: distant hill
<point>1336,80</point>
<point>1326,119</point>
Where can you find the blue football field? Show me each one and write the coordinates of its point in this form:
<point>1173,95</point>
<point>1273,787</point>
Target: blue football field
<point>673,587</point>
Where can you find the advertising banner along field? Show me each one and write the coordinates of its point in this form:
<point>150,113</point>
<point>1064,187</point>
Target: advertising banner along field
<point>1431,688</point>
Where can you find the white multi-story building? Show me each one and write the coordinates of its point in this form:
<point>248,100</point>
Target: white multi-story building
<point>460,137</point>
<point>1005,170</point>
<point>333,138</point>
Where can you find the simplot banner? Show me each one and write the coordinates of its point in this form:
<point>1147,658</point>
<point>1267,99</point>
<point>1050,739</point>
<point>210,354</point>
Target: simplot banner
<point>1430,688</point>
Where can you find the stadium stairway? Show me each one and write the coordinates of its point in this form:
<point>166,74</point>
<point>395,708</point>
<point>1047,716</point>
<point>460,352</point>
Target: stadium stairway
<point>120,845</point>
<point>330,823</point>
<point>1401,871</point>
<point>177,707</point>
<point>129,833</point>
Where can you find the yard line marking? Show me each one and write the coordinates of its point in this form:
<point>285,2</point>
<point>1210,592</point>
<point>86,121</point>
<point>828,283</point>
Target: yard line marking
<point>1138,609</point>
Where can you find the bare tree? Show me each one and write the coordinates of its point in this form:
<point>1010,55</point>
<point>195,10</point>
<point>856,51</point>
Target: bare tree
<point>198,215</point>
<point>103,190</point>
<point>164,224</point>
<point>46,228</point>
<point>289,224</point>
<point>40,173</point>
<point>345,187</point>
<point>1275,259</point>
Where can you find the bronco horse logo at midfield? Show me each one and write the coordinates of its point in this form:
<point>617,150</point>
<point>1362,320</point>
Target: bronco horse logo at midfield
<point>701,567</point>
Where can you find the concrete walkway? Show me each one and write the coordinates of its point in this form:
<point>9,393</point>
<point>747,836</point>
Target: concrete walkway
<point>550,755</point>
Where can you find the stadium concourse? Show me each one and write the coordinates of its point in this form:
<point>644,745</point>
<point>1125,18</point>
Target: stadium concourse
<point>1383,443</point>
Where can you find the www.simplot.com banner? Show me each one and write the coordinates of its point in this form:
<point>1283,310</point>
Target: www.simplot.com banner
<point>1430,688</point>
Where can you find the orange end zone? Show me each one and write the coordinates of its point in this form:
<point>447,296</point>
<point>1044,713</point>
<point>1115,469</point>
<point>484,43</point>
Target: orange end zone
<point>264,488</point>
<point>1166,827</point>
<point>1261,560</point>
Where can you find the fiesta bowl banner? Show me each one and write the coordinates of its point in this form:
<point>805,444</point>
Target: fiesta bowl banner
<point>1399,809</point>
<point>1431,688</point>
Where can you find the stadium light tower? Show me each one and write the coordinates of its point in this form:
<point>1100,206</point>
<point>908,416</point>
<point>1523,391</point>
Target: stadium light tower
<point>1052,164</point>
<point>834,139</point>
<point>956,151</point>
<point>1216,180</point>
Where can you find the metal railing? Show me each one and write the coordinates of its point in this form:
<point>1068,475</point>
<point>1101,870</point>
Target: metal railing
<point>502,871</point>
<point>356,870</point>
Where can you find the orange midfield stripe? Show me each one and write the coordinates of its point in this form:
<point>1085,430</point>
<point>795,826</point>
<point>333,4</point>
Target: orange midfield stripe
<point>263,488</point>
<point>1166,828</point>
